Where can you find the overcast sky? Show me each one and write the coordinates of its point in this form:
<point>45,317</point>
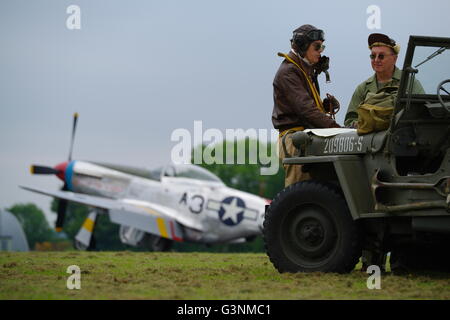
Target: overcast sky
<point>137,70</point>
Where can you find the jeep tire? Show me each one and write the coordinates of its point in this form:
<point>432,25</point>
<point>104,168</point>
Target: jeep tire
<point>308,228</point>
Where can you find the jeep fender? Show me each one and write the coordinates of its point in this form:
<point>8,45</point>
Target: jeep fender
<point>352,178</point>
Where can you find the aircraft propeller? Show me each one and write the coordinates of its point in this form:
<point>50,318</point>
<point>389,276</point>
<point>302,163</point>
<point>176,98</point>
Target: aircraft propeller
<point>36,169</point>
<point>59,171</point>
<point>74,128</point>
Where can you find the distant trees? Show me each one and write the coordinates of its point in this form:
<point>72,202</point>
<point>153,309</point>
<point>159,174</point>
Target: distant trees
<point>33,222</point>
<point>37,229</point>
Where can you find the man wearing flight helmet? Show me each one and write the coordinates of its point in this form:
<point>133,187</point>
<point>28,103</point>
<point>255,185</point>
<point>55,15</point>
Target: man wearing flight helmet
<point>297,102</point>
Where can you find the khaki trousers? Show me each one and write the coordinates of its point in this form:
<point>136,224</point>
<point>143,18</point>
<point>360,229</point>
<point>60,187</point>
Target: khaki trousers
<point>293,172</point>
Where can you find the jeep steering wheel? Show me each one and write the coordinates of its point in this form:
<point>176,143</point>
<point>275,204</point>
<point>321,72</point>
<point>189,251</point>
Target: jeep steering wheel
<point>441,88</point>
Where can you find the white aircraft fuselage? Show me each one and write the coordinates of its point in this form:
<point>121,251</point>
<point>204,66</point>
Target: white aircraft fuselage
<point>179,203</point>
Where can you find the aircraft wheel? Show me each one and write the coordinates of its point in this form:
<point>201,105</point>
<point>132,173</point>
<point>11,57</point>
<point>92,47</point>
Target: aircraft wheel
<point>308,228</point>
<point>155,243</point>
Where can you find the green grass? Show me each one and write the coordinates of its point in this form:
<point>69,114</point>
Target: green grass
<point>142,275</point>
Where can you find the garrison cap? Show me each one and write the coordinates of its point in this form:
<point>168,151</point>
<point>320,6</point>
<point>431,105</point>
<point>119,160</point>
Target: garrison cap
<point>379,39</point>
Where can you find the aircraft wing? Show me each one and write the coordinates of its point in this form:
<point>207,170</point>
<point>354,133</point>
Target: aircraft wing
<point>149,217</point>
<point>89,200</point>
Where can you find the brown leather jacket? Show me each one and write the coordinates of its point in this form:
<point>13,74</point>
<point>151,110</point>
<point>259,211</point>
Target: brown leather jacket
<point>294,104</point>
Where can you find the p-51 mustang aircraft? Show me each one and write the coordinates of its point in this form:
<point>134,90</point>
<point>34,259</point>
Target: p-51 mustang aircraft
<point>155,207</point>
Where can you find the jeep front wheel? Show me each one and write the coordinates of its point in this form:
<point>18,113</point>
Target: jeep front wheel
<point>308,228</point>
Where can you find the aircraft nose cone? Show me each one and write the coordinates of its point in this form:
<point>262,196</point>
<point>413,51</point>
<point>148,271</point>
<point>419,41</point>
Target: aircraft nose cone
<point>61,170</point>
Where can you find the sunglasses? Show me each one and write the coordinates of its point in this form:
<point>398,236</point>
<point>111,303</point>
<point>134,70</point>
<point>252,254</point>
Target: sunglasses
<point>318,47</point>
<point>380,56</point>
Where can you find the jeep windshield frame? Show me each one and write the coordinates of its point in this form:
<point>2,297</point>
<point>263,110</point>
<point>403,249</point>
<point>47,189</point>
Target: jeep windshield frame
<point>409,70</point>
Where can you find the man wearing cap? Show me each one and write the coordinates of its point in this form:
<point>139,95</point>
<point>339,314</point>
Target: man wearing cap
<point>383,55</point>
<point>297,103</point>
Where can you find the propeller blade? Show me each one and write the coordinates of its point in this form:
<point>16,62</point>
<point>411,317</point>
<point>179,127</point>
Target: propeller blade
<point>75,118</point>
<point>62,207</point>
<point>61,211</point>
<point>35,169</point>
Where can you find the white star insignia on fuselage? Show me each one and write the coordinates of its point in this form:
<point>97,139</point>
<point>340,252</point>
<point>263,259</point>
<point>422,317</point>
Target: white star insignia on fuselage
<point>232,210</point>
<point>229,212</point>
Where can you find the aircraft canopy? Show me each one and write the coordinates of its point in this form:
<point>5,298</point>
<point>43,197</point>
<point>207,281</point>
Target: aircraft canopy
<point>190,171</point>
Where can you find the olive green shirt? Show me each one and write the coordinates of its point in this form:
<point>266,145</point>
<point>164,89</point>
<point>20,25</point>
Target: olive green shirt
<point>371,85</point>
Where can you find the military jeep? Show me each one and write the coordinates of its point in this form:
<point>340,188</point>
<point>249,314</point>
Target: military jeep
<point>371,194</point>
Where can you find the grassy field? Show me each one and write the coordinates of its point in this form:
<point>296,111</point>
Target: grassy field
<point>142,275</point>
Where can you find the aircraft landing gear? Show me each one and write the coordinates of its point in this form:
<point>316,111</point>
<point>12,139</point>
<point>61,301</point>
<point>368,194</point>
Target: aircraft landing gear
<point>155,243</point>
<point>80,246</point>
